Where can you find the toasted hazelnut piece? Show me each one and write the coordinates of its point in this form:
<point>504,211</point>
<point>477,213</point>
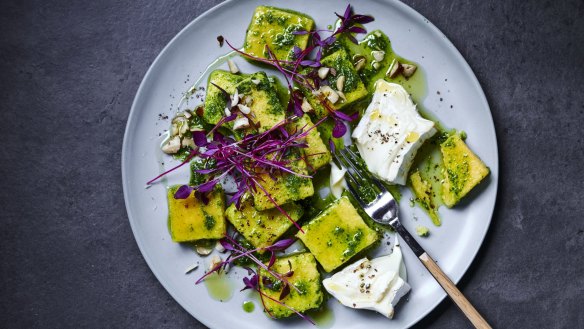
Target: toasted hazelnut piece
<point>172,146</point>
<point>408,70</point>
<point>359,64</point>
<point>173,130</point>
<point>215,261</point>
<point>357,57</point>
<point>394,69</point>
<point>330,94</point>
<point>184,127</point>
<point>323,72</point>
<point>341,83</point>
<point>306,107</point>
<point>232,66</point>
<point>188,142</point>
<point>379,55</point>
<point>240,123</point>
<point>244,109</point>
<point>219,247</point>
<point>235,98</point>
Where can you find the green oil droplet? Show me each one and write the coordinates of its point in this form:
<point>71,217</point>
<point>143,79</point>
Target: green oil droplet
<point>323,317</point>
<point>248,306</point>
<point>219,287</point>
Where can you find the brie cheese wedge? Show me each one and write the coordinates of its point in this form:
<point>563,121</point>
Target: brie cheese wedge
<point>390,133</point>
<point>371,284</point>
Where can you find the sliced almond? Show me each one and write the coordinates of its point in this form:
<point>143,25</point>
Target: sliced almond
<point>172,146</point>
<point>244,109</point>
<point>375,65</point>
<point>333,72</point>
<point>359,64</point>
<point>379,55</point>
<point>341,82</point>
<point>394,69</point>
<point>232,66</point>
<point>240,123</point>
<point>227,112</point>
<point>342,95</point>
<point>408,70</point>
<point>306,107</point>
<point>323,72</point>
<point>256,81</point>
<point>187,114</point>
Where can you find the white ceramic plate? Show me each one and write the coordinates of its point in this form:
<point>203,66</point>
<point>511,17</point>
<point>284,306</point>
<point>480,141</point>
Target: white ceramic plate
<point>454,245</point>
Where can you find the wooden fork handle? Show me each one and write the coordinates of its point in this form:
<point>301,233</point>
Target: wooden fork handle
<point>465,306</point>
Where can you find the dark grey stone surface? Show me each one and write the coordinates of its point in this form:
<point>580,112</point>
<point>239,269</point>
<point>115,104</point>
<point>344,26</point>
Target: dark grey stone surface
<point>68,74</point>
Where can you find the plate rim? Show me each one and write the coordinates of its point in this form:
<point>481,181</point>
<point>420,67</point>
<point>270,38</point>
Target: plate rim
<point>133,110</point>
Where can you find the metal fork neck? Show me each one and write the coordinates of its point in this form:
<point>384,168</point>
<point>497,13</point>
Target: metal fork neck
<point>407,237</point>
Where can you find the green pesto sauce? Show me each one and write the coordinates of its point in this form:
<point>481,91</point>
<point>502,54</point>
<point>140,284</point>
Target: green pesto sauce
<point>377,40</point>
<point>429,164</point>
<point>209,221</point>
<point>248,306</point>
<point>294,183</point>
<point>197,178</point>
<point>219,287</point>
<point>287,37</point>
<point>352,243</point>
<point>302,287</point>
<point>282,92</point>
<point>344,69</point>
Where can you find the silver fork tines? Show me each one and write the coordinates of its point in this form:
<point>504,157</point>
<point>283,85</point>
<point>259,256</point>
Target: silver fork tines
<point>383,208</point>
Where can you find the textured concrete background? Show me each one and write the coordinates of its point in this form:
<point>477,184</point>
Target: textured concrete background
<point>68,74</point>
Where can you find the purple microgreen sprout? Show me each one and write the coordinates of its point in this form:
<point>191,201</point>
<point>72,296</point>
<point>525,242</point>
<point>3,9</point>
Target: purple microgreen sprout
<point>252,281</point>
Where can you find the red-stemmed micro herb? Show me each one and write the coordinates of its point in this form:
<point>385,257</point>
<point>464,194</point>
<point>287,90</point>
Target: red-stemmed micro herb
<point>261,153</point>
<point>252,281</point>
<point>247,160</point>
<point>292,70</point>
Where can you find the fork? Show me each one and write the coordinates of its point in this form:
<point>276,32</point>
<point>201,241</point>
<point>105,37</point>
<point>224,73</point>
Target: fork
<point>383,209</point>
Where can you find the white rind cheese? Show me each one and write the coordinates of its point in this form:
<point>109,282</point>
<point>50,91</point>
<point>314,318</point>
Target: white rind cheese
<point>371,284</point>
<point>390,133</point>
